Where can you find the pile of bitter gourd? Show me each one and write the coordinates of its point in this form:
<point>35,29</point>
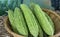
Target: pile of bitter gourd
<point>31,21</point>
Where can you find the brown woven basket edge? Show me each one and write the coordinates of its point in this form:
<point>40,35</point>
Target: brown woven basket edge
<point>8,29</point>
<point>51,12</point>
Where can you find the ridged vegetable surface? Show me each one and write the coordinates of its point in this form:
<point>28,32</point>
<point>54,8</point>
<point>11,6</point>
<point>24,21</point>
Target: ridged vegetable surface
<point>11,18</point>
<point>45,24</point>
<point>30,19</point>
<point>49,19</point>
<point>20,23</point>
<point>40,29</point>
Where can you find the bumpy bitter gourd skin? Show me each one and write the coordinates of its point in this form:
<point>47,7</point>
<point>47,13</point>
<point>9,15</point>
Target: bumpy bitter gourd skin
<point>49,19</point>
<point>30,19</point>
<point>45,24</point>
<point>40,29</point>
<point>20,23</point>
<point>11,19</point>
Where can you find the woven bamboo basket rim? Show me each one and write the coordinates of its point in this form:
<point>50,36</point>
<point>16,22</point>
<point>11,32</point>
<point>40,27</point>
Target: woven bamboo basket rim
<point>52,12</point>
<point>9,30</point>
<point>16,35</point>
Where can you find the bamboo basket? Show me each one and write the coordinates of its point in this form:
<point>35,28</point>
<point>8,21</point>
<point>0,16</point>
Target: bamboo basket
<point>54,16</point>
